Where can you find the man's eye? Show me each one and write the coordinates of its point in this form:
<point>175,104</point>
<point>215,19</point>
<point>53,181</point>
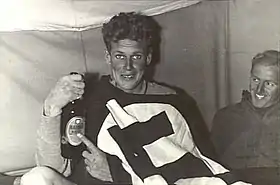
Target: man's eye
<point>136,57</point>
<point>270,84</point>
<point>120,57</point>
<point>255,79</point>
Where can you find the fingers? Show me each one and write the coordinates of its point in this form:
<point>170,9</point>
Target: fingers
<point>87,155</point>
<point>97,165</point>
<point>75,81</point>
<point>67,89</point>
<point>76,77</point>
<point>77,93</point>
<point>89,160</point>
<point>88,168</point>
<point>78,85</point>
<point>88,163</point>
<point>91,147</point>
<point>72,86</point>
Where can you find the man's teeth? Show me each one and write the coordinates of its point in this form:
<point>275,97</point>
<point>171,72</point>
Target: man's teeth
<point>260,96</point>
<point>128,76</point>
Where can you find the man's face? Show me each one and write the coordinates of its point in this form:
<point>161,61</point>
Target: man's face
<point>127,61</point>
<point>264,85</point>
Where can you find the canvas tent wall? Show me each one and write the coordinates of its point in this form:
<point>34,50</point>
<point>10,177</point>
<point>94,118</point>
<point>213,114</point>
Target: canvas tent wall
<point>41,41</point>
<point>203,51</point>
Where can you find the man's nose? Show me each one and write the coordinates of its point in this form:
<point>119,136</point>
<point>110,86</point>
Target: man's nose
<point>260,88</point>
<point>128,64</point>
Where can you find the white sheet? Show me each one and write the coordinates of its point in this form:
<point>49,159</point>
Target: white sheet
<point>74,15</point>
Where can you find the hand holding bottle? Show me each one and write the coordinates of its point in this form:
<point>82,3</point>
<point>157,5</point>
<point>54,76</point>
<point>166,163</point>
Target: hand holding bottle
<point>67,89</point>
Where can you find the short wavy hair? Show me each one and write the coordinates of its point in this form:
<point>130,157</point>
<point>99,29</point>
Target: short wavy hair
<point>267,58</point>
<point>133,26</point>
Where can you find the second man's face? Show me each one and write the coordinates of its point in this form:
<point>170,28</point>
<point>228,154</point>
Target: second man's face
<point>128,60</point>
<point>264,85</point>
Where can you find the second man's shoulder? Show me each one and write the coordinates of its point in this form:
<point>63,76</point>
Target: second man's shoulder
<point>232,110</point>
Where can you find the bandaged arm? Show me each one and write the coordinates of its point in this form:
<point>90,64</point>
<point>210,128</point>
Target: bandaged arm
<point>48,152</point>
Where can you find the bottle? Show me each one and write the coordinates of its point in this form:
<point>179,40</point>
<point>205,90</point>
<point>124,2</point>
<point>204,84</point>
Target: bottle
<point>72,123</point>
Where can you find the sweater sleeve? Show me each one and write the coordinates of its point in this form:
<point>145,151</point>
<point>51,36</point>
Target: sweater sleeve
<point>48,151</point>
<point>226,126</point>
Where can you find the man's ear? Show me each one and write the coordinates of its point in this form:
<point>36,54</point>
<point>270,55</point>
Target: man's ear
<point>149,58</point>
<point>107,56</point>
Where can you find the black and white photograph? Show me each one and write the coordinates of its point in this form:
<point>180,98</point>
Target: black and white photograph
<point>143,92</point>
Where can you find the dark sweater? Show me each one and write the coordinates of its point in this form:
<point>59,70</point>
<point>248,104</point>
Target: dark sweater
<point>95,101</point>
<point>248,140</point>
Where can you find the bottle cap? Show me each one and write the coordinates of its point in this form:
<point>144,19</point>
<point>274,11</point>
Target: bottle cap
<point>77,73</point>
